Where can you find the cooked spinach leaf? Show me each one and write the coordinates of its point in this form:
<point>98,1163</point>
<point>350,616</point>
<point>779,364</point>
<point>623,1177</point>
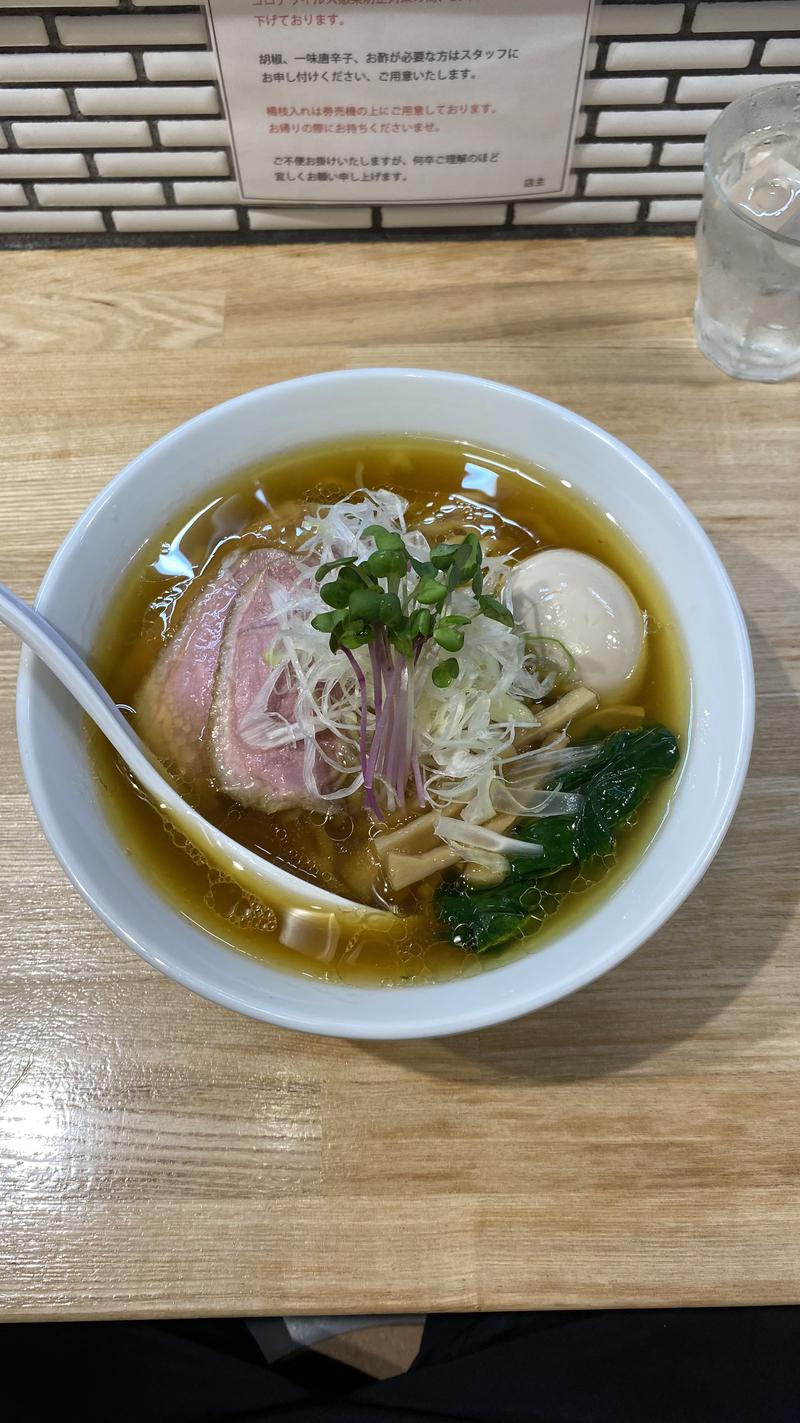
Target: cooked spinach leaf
<point>613,783</point>
<point>631,764</point>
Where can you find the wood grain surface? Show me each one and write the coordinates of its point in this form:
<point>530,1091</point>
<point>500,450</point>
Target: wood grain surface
<point>637,1144</point>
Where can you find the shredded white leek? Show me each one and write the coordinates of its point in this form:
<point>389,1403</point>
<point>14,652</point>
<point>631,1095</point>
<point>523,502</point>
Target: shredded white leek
<point>465,729</point>
<point>529,801</point>
<point>474,842</point>
<point>531,769</point>
<point>461,732</point>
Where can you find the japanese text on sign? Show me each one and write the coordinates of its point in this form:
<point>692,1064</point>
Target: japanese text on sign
<point>400,100</point>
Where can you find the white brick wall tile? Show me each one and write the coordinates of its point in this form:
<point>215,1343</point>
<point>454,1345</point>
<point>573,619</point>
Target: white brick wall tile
<point>44,222</point>
<point>64,68</point>
<point>681,154</point>
<point>44,102</point>
<point>177,220</point>
<point>191,133</point>
<point>633,184</point>
<point>720,88</point>
<point>652,122</point>
<point>61,4</point>
<point>190,194</point>
<point>17,31</point>
<point>592,52</point>
<point>134,134</point>
<point>445,215</point>
<point>637,19</point>
<point>781,52</point>
<point>305,219</point>
<point>612,155</point>
<point>191,163</point>
<point>674,210</point>
<point>149,99</point>
<point>131,29</point>
<point>43,165</point>
<point>681,54</point>
<point>624,91</point>
<point>716,18</point>
<point>67,195</point>
<point>12,195</point>
<point>168,65</point>
<point>181,81</point>
<point>564,214</point>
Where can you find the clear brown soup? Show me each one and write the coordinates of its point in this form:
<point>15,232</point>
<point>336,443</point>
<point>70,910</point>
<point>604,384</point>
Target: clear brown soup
<point>519,510</point>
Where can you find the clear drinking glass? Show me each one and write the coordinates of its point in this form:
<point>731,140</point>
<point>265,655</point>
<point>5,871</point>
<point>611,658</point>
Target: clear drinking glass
<point>747,314</point>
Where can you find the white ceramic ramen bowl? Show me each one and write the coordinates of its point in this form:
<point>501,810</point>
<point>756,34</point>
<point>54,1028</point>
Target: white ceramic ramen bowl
<point>177,471</point>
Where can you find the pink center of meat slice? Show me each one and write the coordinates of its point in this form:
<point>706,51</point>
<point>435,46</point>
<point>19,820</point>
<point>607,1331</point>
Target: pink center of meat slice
<point>192,706</point>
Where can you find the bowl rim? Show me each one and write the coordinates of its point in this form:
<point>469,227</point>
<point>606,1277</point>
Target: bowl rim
<point>478,1014</point>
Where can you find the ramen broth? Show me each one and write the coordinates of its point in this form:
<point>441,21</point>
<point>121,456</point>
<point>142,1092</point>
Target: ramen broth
<point>451,487</point>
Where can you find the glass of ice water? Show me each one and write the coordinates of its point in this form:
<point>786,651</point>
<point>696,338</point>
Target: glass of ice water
<point>747,314</point>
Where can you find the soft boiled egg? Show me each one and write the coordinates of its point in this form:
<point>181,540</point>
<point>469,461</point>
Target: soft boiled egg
<point>579,600</point>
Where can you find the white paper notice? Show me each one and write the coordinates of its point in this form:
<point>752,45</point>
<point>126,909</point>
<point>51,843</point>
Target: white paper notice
<point>400,100</point>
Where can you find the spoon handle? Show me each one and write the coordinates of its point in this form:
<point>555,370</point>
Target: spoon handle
<point>54,650</point>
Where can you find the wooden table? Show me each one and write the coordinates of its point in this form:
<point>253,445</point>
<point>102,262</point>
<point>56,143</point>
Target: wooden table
<point>634,1145</point>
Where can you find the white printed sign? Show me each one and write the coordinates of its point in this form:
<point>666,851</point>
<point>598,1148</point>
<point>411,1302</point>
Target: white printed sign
<point>344,101</point>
